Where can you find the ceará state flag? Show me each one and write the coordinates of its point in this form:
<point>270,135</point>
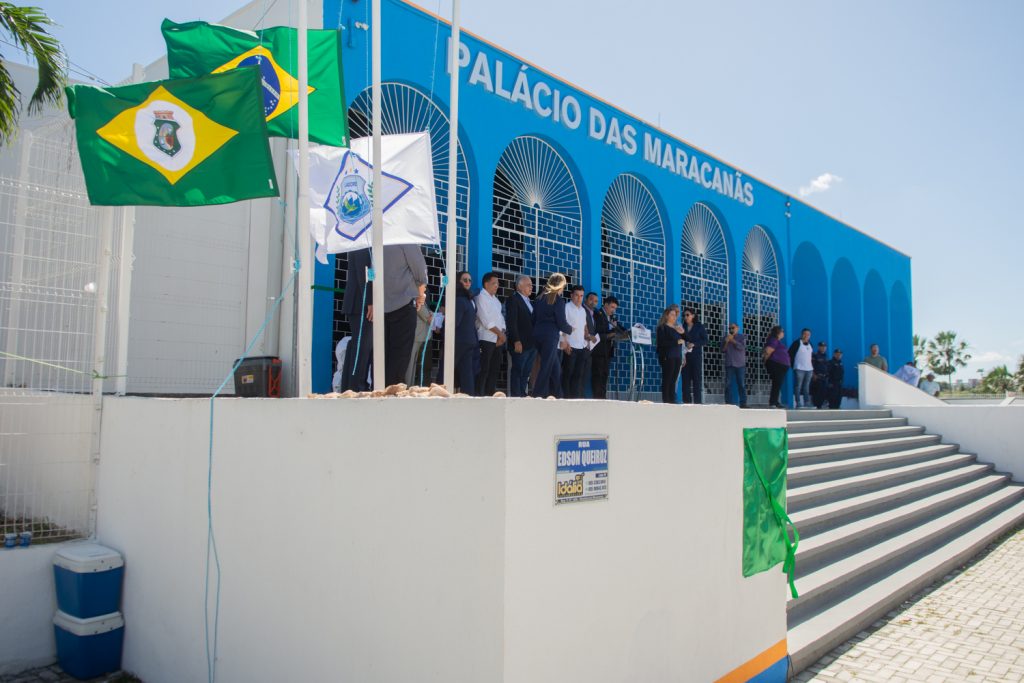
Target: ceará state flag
<point>341,194</point>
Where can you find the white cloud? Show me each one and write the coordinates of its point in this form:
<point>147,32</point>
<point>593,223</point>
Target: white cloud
<point>991,358</point>
<point>820,184</point>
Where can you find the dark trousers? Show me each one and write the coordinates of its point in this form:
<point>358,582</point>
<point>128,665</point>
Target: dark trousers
<point>547,350</point>
<point>777,373</point>
<point>693,379</point>
<point>669,377</point>
<point>736,376</point>
<point>490,363</point>
<point>599,364</point>
<point>358,357</point>
<point>520,367</point>
<point>464,375</point>
<point>399,334</point>
<point>835,397</point>
<point>572,373</point>
<point>819,390</point>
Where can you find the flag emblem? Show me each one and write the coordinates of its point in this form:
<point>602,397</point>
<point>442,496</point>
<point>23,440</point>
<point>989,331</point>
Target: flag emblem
<point>280,88</point>
<point>184,138</point>
<point>349,198</point>
<point>166,138</point>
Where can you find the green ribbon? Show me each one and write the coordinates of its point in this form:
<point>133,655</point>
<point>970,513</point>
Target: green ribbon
<point>785,524</point>
<point>92,373</point>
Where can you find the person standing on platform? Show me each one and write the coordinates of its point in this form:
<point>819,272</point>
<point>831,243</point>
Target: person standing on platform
<point>800,355</point>
<point>776,362</point>
<point>521,347</point>
<point>589,304</point>
<point>929,386</point>
<point>876,359</point>
<point>819,382</point>
<point>357,307</point>
<point>696,338</point>
<point>418,370</point>
<point>405,291</point>
<point>490,328</point>
<point>734,350</point>
<point>835,379</point>
<point>548,323</point>
<point>607,327</point>
<point>669,343</point>
<point>573,354</point>
<point>466,342</point>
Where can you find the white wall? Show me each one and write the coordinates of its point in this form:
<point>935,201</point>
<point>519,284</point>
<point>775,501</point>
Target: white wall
<point>433,555</point>
<point>27,606</point>
<point>994,433</point>
<point>879,388</point>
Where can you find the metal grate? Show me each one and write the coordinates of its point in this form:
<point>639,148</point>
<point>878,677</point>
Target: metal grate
<point>405,109</point>
<point>633,269</point>
<point>704,286</point>
<point>760,308</point>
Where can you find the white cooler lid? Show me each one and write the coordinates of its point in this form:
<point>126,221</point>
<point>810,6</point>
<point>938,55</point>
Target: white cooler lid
<point>92,626</point>
<point>84,558</point>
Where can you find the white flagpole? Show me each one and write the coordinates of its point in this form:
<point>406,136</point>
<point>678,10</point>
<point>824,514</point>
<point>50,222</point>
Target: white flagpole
<point>452,223</point>
<point>378,211</point>
<point>304,281</point>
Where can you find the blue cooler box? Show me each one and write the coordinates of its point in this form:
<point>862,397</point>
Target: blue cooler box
<point>88,580</point>
<point>87,648</point>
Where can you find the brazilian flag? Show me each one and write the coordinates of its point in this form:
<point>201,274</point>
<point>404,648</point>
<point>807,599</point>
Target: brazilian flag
<point>197,47</point>
<point>184,142</point>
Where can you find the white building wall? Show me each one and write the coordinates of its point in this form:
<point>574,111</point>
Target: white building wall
<point>417,540</point>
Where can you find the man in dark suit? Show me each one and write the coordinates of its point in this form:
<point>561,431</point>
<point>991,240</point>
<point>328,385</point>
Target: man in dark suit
<point>608,328</point>
<point>357,306</point>
<point>519,325</point>
<point>589,304</point>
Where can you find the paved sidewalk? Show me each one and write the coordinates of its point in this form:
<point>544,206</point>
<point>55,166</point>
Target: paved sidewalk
<point>968,628</point>
<point>54,674</point>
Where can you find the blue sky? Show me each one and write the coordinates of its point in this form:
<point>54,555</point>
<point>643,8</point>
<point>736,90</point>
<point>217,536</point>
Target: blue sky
<point>911,113</point>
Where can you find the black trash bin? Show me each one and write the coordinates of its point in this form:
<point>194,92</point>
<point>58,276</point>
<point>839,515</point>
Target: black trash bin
<point>258,376</point>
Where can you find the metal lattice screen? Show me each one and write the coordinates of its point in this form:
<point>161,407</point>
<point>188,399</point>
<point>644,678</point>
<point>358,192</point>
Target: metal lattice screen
<point>537,218</point>
<point>633,269</point>
<point>704,286</point>
<point>405,109</point>
<point>49,263</point>
<point>760,308</point>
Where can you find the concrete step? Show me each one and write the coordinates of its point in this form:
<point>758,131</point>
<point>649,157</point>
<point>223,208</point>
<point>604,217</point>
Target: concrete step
<point>801,497</point>
<point>806,426</point>
<point>805,415</point>
<point>803,456</point>
<point>814,520</point>
<point>834,469</point>
<point>853,435</point>
<point>836,579</point>
<point>818,633</point>
<point>830,545</point>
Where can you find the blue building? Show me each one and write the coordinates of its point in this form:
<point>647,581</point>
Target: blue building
<point>552,178</point>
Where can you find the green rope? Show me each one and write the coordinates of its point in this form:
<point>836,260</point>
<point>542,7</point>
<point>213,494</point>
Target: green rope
<point>91,373</point>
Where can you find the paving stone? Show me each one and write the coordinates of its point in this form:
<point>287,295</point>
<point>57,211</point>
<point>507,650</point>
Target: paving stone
<point>970,627</point>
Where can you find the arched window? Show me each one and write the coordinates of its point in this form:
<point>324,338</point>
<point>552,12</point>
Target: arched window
<point>760,308</point>
<point>704,286</point>
<point>633,267</point>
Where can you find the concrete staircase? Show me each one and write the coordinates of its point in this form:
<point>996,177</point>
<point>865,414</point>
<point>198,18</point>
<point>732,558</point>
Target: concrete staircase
<point>883,510</point>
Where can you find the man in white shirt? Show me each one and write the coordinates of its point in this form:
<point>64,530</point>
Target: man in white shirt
<point>909,373</point>
<point>929,386</point>
<point>573,360</point>
<point>490,330</point>
<point>801,355</point>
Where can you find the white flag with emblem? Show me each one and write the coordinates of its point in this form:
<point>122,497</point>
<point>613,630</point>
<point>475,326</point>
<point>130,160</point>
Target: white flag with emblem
<point>341,194</point>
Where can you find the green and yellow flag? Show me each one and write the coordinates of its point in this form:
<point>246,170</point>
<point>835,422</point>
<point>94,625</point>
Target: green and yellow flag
<point>197,47</point>
<point>184,142</point>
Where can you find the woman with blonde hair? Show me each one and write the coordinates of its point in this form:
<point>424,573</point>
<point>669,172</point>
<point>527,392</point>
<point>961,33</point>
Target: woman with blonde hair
<point>669,344</point>
<point>548,321</point>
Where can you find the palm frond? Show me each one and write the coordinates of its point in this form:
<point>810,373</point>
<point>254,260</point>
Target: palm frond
<point>26,27</point>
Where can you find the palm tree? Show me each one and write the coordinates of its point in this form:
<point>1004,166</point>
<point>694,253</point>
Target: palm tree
<point>1019,376</point>
<point>998,381</point>
<point>26,28</point>
<point>946,354</point>
<point>921,351</point>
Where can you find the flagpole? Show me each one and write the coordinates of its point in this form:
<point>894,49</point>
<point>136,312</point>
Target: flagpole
<point>378,208</point>
<point>304,333</point>
<point>452,223</point>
